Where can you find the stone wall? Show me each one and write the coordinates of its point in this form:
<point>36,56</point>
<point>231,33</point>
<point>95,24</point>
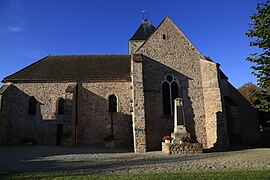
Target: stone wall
<point>94,118</point>
<point>134,45</point>
<point>214,115</point>
<point>177,56</point>
<point>42,126</point>
<point>138,115</point>
<point>4,93</point>
<point>184,148</point>
<point>69,135</point>
<point>244,121</point>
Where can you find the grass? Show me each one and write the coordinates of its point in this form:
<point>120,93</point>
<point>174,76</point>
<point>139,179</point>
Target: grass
<point>260,174</point>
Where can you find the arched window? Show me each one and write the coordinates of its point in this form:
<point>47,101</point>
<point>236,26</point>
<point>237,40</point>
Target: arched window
<point>32,106</point>
<point>112,103</point>
<point>60,106</point>
<point>169,93</point>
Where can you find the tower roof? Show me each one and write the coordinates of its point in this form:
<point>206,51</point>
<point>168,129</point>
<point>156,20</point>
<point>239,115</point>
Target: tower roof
<point>145,29</point>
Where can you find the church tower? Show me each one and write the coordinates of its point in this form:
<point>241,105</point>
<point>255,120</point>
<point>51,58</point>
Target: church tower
<point>139,37</point>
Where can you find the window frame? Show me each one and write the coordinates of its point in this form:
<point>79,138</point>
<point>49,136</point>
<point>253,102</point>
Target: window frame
<point>58,105</point>
<point>32,106</point>
<point>171,100</point>
<point>113,106</point>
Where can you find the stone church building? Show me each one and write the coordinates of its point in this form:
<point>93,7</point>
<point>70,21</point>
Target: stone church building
<point>78,100</point>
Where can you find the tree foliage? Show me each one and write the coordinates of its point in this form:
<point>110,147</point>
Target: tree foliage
<point>248,90</point>
<point>259,31</point>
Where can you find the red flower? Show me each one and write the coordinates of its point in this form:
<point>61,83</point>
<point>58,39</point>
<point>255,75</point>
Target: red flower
<point>167,138</point>
<point>185,138</point>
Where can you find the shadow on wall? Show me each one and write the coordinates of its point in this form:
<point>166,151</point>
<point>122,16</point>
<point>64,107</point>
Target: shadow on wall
<point>157,124</point>
<point>93,126</point>
<point>22,126</point>
<point>237,127</point>
<point>94,119</point>
<point>222,136</point>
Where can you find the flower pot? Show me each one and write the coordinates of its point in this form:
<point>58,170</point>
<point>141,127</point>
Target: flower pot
<point>167,141</point>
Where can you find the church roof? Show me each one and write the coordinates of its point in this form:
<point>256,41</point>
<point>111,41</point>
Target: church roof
<point>75,67</point>
<point>145,29</point>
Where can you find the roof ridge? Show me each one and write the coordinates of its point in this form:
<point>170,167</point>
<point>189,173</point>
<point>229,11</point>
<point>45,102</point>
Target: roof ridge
<point>64,55</point>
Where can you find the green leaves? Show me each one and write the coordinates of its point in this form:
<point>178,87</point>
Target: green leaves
<point>259,28</point>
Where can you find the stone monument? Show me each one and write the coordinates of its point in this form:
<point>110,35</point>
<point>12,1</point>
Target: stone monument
<point>179,121</point>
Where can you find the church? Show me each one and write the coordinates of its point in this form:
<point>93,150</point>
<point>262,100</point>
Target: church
<point>80,100</point>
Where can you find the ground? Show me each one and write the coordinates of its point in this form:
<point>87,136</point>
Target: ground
<point>96,160</point>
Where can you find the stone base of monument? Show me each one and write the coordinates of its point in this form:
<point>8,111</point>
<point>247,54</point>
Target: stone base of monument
<point>183,148</point>
<point>178,134</point>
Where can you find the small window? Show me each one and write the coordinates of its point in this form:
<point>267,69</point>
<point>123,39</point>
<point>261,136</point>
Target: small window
<point>164,36</point>
<point>112,103</point>
<point>32,106</point>
<point>61,106</point>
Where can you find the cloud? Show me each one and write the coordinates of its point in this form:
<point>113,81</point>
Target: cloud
<point>14,28</point>
<point>11,20</point>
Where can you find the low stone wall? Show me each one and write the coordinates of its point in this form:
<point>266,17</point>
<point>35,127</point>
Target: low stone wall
<point>184,148</point>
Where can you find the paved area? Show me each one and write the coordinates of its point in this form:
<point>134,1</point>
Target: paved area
<point>94,160</point>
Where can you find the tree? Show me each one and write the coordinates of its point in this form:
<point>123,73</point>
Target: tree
<point>259,30</point>
<point>247,90</point>
<point>250,92</point>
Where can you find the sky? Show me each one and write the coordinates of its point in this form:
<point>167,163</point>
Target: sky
<point>33,29</point>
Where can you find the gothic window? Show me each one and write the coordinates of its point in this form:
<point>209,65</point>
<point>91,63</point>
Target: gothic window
<point>169,94</point>
<point>60,106</point>
<point>32,106</point>
<point>112,103</point>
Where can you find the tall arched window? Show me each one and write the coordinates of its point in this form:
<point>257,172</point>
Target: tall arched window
<point>169,93</point>
<point>60,106</point>
<point>32,106</point>
<point>112,103</point>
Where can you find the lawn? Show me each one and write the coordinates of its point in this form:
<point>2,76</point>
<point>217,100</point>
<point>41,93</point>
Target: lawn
<point>181,175</point>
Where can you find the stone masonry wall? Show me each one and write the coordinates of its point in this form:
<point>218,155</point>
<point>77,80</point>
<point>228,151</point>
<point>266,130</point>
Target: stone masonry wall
<point>177,56</point>
<point>134,45</point>
<point>3,116</point>
<point>68,136</point>
<point>138,115</point>
<point>214,116</point>
<point>40,127</point>
<point>246,123</point>
<point>184,148</point>
<point>94,118</point>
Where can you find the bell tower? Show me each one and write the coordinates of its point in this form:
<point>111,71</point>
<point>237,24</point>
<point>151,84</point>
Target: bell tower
<point>142,33</point>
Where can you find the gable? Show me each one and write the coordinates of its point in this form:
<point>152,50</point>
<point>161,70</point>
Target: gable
<point>169,46</point>
<point>75,67</point>
<point>166,27</point>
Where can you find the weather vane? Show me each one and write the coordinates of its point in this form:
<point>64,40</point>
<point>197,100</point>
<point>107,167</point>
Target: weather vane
<point>144,19</point>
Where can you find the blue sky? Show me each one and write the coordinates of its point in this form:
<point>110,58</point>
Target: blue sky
<point>33,29</point>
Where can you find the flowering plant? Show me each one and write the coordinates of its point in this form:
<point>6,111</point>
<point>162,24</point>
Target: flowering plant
<point>167,138</point>
<point>185,138</point>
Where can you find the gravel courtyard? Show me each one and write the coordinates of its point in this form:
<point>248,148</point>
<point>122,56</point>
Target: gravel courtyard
<point>94,160</point>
